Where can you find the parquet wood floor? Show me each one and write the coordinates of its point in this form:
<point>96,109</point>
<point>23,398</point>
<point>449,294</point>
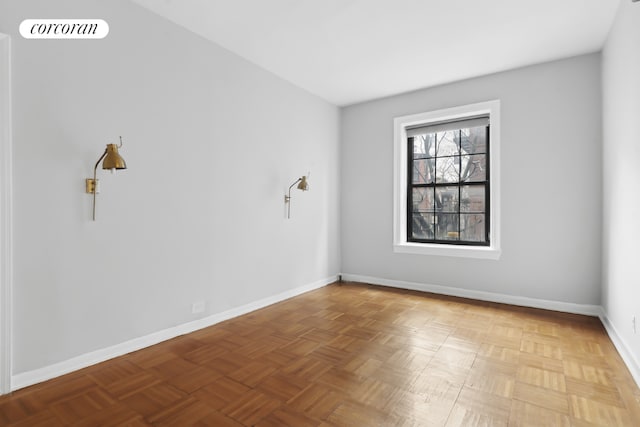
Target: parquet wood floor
<point>354,355</point>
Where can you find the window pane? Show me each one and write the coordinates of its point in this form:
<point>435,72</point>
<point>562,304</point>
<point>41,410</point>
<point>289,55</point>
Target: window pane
<point>423,200</point>
<point>446,199</point>
<point>423,171</point>
<point>422,226</point>
<point>472,228</point>
<point>447,143</point>
<point>474,140</point>
<point>447,169</point>
<point>474,168</point>
<point>424,146</point>
<point>472,198</point>
<point>447,226</point>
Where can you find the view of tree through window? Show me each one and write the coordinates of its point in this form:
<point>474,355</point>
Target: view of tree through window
<point>448,184</point>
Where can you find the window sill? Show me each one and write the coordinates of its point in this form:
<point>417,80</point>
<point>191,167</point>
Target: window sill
<point>482,252</point>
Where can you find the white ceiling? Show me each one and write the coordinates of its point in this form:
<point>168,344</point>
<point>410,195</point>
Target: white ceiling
<point>348,51</point>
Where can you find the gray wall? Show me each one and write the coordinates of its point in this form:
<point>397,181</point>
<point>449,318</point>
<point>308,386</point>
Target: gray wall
<point>551,185</point>
<point>621,151</point>
<point>211,142</point>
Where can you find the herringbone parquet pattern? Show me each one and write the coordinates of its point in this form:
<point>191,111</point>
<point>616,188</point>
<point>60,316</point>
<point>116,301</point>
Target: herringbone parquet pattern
<point>354,355</point>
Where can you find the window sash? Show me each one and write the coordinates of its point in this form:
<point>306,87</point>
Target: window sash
<point>453,125</point>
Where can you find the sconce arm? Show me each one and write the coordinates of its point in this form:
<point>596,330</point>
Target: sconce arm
<point>291,186</point>
<point>95,168</point>
<point>287,197</point>
<point>93,185</point>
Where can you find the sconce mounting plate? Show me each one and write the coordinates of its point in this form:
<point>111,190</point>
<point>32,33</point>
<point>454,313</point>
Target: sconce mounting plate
<point>92,186</point>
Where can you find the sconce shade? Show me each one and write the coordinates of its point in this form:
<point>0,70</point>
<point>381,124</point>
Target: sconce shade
<point>113,160</point>
<point>303,185</point>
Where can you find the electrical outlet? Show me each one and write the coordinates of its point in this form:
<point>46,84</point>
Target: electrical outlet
<point>197,307</point>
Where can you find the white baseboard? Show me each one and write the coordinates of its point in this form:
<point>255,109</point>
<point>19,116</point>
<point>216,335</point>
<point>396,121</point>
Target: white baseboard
<point>627,355</point>
<point>35,376</point>
<point>567,307</point>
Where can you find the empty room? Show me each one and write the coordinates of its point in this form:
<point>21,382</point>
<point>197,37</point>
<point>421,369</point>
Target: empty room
<point>319,213</point>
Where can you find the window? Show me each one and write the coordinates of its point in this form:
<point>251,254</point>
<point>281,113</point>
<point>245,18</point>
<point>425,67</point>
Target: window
<point>447,183</point>
<point>446,199</point>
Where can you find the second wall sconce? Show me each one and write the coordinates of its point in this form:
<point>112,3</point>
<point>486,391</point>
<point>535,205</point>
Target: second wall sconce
<point>112,161</point>
<point>302,185</point>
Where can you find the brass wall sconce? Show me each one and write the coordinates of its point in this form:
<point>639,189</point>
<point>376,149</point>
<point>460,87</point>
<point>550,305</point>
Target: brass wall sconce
<point>112,161</point>
<point>302,185</point>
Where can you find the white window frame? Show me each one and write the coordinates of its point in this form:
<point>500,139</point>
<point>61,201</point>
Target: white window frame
<point>400,173</point>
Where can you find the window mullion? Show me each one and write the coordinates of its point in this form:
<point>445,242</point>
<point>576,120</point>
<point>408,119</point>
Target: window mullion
<point>410,188</point>
<point>435,183</point>
<point>459,181</point>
